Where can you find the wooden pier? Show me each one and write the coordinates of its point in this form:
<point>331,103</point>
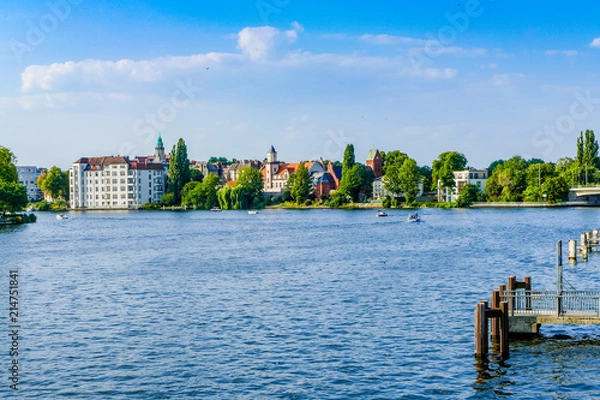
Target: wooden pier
<point>517,310</point>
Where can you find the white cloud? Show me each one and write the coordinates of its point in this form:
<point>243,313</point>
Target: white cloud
<point>595,42</point>
<point>258,42</point>
<point>568,53</point>
<point>94,73</point>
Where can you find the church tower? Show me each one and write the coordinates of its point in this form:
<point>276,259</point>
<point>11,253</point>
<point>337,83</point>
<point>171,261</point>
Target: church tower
<point>159,151</point>
<point>271,168</point>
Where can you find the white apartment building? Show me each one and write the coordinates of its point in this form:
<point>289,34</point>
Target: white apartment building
<point>116,182</point>
<point>472,176</point>
<point>28,176</point>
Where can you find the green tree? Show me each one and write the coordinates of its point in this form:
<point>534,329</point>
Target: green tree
<point>556,189</point>
<point>196,175</point>
<point>13,195</point>
<point>202,195</point>
<point>443,169</point>
<point>351,181</point>
<point>249,186</point>
<point>568,169</point>
<point>493,166</point>
<point>402,176</point>
<point>426,174</point>
<point>508,181</point>
<point>366,180</point>
<point>54,183</point>
<point>469,194</point>
<point>179,170</point>
<point>301,184</point>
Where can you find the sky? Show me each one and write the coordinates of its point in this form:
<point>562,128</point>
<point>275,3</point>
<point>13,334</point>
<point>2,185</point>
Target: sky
<point>488,78</point>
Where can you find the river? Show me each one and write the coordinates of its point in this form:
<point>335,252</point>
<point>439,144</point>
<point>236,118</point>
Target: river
<point>316,304</point>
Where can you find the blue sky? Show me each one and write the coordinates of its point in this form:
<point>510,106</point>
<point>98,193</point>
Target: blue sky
<point>490,79</point>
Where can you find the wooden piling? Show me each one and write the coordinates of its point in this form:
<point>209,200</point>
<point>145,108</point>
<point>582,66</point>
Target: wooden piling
<point>495,324</point>
<point>504,329</point>
<point>528,293</point>
<point>511,287</point>
<point>481,330</point>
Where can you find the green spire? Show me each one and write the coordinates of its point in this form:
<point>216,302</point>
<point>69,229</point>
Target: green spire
<point>159,142</point>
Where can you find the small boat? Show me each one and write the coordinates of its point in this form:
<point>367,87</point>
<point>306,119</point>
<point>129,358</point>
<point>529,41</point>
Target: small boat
<point>61,216</point>
<point>252,212</point>
<point>414,218</point>
<point>381,213</point>
<point>215,209</point>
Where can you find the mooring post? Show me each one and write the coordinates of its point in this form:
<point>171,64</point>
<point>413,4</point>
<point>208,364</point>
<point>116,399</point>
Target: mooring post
<point>504,329</point>
<point>528,293</point>
<point>595,236</point>
<point>494,305</point>
<point>588,240</point>
<point>583,246</point>
<point>511,288</point>
<point>572,251</point>
<point>481,330</point>
<point>559,278</point>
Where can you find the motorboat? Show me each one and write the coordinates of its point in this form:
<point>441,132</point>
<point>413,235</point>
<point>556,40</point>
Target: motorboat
<point>215,209</point>
<point>252,212</point>
<point>61,216</point>
<point>414,218</point>
<point>381,213</point>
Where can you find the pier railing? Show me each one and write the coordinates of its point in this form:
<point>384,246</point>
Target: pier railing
<point>568,303</point>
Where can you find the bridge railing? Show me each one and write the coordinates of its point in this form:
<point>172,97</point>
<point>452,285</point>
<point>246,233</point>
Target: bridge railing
<point>579,303</point>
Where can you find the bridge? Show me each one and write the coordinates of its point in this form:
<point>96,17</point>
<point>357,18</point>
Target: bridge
<point>588,194</point>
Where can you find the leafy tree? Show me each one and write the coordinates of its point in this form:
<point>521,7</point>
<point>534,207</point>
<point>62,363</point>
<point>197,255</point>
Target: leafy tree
<point>8,168</point>
<point>54,183</point>
<point>300,184</point>
<point>168,199</point>
<point>443,168</point>
<point>568,169</point>
<point>587,154</point>
<point>222,160</point>
<point>469,194</point>
<point>508,181</point>
<point>196,175</point>
<point>202,195</point>
<point>425,173</point>
<point>393,158</point>
<point>493,166</point>
<point>351,181</point>
<point>402,176</point>
<point>366,177</point>
<point>179,170</point>
<point>556,189</point>
<point>409,179</point>
<point>13,195</point>
<point>250,184</point>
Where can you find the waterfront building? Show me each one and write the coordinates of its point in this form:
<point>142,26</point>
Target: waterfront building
<point>472,176</point>
<point>375,162</point>
<point>276,175</point>
<point>117,182</point>
<point>28,176</point>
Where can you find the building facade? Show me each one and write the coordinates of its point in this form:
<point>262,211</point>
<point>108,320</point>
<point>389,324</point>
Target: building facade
<point>116,182</point>
<point>472,176</point>
<point>28,176</point>
<point>375,162</point>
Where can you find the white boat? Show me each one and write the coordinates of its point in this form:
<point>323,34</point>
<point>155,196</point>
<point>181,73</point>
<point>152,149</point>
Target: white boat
<point>414,218</point>
<point>61,216</point>
<point>216,209</point>
<point>252,212</point>
<point>381,213</point>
